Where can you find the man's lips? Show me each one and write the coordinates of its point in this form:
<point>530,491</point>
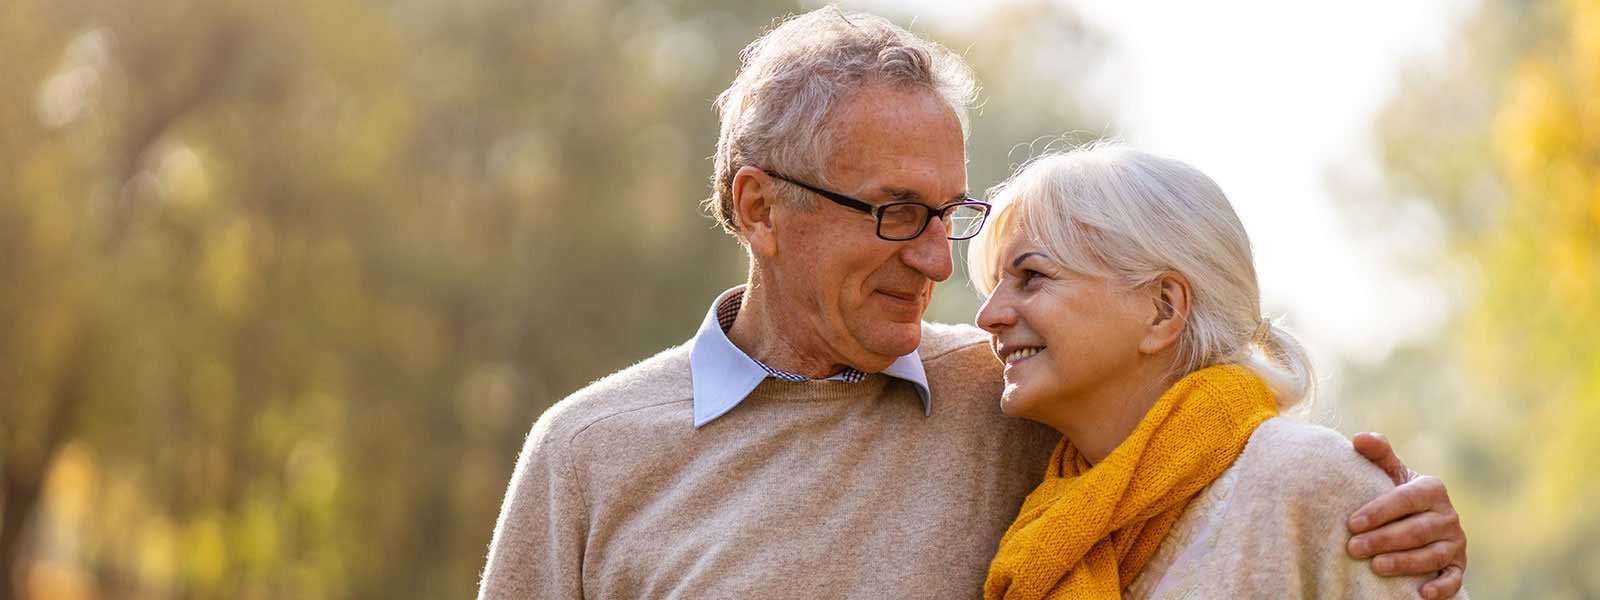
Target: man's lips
<point>908,298</point>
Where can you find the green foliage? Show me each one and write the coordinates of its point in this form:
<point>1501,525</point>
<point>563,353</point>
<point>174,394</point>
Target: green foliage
<point>284,284</point>
<point>1502,142</point>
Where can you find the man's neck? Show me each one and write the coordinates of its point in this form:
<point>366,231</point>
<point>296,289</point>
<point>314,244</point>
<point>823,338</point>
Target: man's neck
<point>776,338</point>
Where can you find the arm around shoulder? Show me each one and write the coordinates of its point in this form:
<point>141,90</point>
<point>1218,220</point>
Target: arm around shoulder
<point>1302,482</point>
<point>538,545</point>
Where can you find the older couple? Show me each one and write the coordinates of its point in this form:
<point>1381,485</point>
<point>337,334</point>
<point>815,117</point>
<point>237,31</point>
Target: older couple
<point>816,439</point>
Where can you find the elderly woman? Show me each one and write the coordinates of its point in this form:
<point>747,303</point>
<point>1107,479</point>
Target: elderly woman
<point>1123,301</point>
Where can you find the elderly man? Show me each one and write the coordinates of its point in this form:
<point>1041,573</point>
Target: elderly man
<point>816,439</point>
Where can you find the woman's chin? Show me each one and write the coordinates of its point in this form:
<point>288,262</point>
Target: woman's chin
<point>1013,402</point>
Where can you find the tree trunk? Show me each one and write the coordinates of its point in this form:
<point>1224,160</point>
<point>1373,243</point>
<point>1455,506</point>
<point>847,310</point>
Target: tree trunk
<point>25,471</point>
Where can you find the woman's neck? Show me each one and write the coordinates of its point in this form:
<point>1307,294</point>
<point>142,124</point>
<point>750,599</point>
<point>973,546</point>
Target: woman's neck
<point>1097,421</point>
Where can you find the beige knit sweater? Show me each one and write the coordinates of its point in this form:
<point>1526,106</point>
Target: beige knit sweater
<point>828,489</point>
<point>819,489</point>
<point>1273,525</point>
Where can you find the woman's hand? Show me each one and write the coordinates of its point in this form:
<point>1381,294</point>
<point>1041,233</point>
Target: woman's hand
<point>1412,529</point>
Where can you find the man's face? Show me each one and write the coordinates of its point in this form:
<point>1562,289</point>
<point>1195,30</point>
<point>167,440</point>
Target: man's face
<point>865,296</point>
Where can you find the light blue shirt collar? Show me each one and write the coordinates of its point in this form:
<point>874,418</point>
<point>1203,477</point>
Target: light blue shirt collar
<point>724,375</point>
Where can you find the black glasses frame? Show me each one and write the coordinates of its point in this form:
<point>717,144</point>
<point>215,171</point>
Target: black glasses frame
<point>877,210</point>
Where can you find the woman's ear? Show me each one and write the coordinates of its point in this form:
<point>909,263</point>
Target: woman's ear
<point>1172,300</point>
<point>753,199</point>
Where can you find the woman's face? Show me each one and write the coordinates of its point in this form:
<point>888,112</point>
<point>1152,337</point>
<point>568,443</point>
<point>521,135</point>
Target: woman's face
<point>1060,334</point>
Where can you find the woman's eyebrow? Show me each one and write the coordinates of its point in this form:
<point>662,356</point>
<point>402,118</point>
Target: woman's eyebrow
<point>1020,257</point>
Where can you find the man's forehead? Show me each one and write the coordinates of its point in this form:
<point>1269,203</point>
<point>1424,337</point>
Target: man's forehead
<point>900,174</point>
<point>890,136</point>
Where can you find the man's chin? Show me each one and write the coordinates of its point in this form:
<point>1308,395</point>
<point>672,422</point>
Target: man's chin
<point>894,339</point>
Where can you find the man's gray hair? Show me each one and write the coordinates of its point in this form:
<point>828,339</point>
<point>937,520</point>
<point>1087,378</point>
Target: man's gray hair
<point>776,113</point>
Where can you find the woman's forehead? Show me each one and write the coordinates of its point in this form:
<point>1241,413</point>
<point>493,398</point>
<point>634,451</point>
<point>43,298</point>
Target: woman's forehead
<point>1017,244</point>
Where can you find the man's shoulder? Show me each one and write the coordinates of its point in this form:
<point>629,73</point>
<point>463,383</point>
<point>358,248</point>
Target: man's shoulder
<point>659,380</point>
<point>963,374</point>
<point>940,340</point>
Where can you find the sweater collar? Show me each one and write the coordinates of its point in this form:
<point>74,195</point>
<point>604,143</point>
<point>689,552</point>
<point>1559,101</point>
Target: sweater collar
<point>724,375</point>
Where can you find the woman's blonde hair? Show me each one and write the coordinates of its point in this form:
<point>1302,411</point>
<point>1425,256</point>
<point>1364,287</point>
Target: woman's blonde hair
<point>1109,211</point>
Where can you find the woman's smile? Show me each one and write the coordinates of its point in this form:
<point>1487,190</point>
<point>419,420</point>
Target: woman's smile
<point>1022,354</point>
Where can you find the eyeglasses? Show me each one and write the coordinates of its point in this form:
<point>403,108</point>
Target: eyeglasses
<point>901,221</point>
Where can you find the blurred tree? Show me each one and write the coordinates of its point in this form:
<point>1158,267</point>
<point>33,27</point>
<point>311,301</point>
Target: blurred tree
<point>1502,144</point>
<point>284,284</point>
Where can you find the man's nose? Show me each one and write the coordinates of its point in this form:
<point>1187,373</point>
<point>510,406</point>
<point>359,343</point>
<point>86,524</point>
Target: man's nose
<point>929,253</point>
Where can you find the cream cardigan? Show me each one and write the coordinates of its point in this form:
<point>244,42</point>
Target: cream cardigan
<point>1273,525</point>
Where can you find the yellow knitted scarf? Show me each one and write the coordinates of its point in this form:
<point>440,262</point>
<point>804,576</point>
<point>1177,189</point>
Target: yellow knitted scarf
<point>1085,532</point>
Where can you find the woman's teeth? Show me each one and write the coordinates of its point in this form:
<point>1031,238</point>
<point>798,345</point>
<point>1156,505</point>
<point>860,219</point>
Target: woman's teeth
<point>1021,354</point>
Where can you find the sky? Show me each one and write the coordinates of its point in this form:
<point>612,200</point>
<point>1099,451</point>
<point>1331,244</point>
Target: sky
<point>1275,100</point>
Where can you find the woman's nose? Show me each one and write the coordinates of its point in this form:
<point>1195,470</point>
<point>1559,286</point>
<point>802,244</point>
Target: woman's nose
<point>997,312</point>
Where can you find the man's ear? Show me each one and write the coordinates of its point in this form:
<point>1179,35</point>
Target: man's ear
<point>753,200</point>
<point>1172,301</point>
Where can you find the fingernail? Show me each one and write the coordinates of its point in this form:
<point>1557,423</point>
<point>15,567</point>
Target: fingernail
<point>1360,546</point>
<point>1383,564</point>
<point>1360,523</point>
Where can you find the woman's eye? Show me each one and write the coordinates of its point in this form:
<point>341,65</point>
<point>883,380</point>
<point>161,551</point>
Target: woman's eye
<point>1027,277</point>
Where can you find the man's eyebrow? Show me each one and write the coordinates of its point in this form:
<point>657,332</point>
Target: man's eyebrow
<point>900,194</point>
<point>1024,255</point>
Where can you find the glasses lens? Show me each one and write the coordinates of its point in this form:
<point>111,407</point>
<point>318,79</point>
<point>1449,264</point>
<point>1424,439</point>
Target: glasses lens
<point>902,221</point>
<point>966,220</point>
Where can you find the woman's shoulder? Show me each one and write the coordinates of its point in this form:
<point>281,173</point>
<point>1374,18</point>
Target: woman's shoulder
<point>1299,459</point>
<point>1276,521</point>
<point>1301,438</point>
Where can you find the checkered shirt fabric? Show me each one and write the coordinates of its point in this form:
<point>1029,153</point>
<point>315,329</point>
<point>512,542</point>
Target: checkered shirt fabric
<point>729,309</point>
